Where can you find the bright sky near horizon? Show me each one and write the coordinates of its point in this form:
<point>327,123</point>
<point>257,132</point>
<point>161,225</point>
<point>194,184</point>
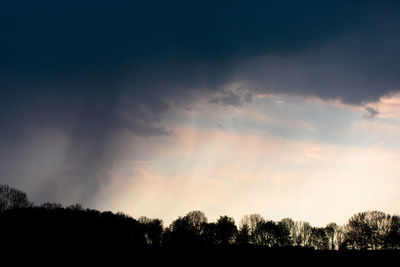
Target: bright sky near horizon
<point>279,156</point>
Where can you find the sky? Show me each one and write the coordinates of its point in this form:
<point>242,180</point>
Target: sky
<point>156,108</point>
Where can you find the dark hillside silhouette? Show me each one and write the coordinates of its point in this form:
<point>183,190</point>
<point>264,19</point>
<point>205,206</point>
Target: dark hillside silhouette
<point>53,228</point>
<point>71,226</point>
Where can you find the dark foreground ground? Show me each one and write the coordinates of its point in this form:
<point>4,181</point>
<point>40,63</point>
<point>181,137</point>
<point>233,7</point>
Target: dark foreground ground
<point>270,257</point>
<point>60,236</point>
<point>232,256</point>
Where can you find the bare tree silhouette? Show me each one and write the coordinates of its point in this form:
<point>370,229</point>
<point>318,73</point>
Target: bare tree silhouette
<point>11,198</point>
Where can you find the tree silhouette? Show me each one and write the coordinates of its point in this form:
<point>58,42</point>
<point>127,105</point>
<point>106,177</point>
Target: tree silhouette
<point>339,237</point>
<point>393,237</point>
<point>226,230</point>
<point>186,231</point>
<point>153,229</point>
<point>319,238</point>
<point>196,219</point>
<point>368,230</point>
<point>330,231</point>
<point>11,198</point>
<point>357,232</point>
<point>267,233</point>
<point>282,234</point>
<point>209,234</point>
<point>303,231</point>
<point>51,206</point>
<point>290,225</point>
<point>243,236</point>
<point>252,223</point>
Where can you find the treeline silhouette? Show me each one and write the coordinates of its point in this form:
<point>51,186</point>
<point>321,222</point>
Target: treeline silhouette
<point>52,226</point>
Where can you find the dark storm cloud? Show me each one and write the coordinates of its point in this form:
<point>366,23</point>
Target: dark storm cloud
<point>358,66</point>
<point>89,69</point>
<point>69,63</point>
<point>169,47</point>
<point>74,37</point>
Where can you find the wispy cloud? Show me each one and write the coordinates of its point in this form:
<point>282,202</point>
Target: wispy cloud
<point>371,113</point>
